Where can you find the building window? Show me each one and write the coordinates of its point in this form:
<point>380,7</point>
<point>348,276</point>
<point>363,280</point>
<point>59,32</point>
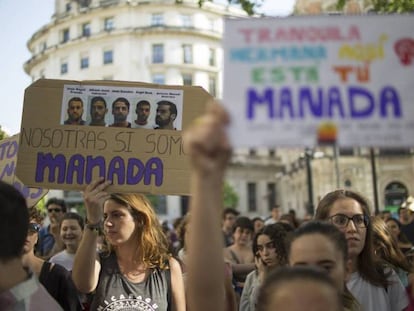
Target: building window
<point>212,57</point>
<point>158,78</point>
<point>68,7</point>
<point>157,53</point>
<point>187,53</point>
<point>65,35</point>
<point>187,79</point>
<point>271,195</point>
<point>186,21</point>
<point>108,57</point>
<point>63,68</point>
<point>251,196</point>
<point>108,23</point>
<point>252,152</point>
<point>160,204</point>
<point>86,30</point>
<point>84,63</point>
<point>212,82</point>
<point>43,46</point>
<point>272,153</point>
<point>157,19</point>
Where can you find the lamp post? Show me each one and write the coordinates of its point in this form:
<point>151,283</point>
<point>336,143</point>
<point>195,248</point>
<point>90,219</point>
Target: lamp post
<point>309,177</point>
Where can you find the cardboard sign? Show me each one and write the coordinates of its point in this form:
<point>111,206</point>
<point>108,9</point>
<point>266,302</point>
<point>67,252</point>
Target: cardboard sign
<point>8,157</point>
<point>68,138</point>
<point>303,81</point>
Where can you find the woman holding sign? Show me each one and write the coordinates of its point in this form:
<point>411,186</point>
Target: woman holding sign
<point>136,269</point>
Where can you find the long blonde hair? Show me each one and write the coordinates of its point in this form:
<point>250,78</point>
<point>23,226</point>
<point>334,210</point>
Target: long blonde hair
<point>152,246</point>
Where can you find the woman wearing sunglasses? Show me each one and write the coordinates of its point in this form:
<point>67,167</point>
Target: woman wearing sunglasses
<point>373,284</point>
<point>53,277</point>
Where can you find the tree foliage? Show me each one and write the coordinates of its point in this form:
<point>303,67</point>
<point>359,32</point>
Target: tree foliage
<point>230,196</point>
<point>249,6</point>
<point>387,6</point>
<point>3,134</point>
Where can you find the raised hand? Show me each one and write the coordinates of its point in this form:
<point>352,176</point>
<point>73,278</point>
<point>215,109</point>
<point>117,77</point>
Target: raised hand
<point>206,140</point>
<point>94,196</point>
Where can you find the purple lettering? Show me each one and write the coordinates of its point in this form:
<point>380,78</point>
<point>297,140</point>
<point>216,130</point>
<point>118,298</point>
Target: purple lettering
<point>76,165</point>
<point>356,92</point>
<point>254,99</point>
<point>91,163</point>
<point>334,99</point>
<point>315,104</point>
<point>134,165</point>
<point>117,166</point>
<point>389,96</point>
<point>8,170</point>
<point>154,167</point>
<point>53,164</point>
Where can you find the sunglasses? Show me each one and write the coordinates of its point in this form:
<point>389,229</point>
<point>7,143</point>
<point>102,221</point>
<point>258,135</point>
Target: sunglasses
<point>56,210</point>
<point>33,228</point>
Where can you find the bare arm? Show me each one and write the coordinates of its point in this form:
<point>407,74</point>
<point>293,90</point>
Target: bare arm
<point>86,266</point>
<point>177,286</point>
<point>209,152</point>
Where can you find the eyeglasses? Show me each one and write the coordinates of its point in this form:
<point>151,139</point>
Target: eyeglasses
<point>33,227</point>
<point>56,210</point>
<point>342,221</point>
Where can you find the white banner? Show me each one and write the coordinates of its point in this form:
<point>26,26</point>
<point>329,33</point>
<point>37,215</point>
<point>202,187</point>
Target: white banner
<point>304,81</point>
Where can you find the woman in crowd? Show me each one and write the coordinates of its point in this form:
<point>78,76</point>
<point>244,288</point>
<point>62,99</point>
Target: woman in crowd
<point>386,248</point>
<point>55,278</point>
<point>322,245</point>
<point>137,269</point>
<point>395,228</point>
<point>375,287</point>
<point>297,289</point>
<point>71,230</point>
<point>240,254</point>
<point>270,249</point>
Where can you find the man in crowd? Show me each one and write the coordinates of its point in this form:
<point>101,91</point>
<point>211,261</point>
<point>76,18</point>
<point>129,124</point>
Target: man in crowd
<point>143,110</point>
<point>275,215</point>
<point>19,288</point>
<point>49,237</point>
<point>75,112</point>
<point>166,114</point>
<point>98,111</point>
<point>120,111</point>
<point>229,219</point>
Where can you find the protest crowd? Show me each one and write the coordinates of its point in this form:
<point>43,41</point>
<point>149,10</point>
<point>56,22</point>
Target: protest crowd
<point>120,257</point>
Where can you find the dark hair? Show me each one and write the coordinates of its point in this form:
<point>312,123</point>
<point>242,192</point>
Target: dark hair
<point>122,100</point>
<point>75,99</point>
<point>243,222</point>
<point>278,278</point>
<point>256,219</point>
<point>98,99</point>
<point>74,216</point>
<point>14,222</point>
<point>172,106</point>
<point>332,233</point>
<point>230,210</point>
<point>326,229</point>
<point>368,266</point>
<point>57,201</point>
<point>280,237</point>
<point>143,103</point>
<point>401,236</point>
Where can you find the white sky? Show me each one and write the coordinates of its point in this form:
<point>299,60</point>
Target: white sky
<point>20,20</point>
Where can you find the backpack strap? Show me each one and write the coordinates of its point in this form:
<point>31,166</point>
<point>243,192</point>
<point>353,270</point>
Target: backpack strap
<point>168,277</point>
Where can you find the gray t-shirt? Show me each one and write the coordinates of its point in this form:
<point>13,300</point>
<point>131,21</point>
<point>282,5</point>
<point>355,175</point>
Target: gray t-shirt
<point>116,292</point>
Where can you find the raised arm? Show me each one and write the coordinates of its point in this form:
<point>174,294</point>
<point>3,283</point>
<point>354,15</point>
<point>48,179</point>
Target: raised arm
<point>209,150</point>
<point>86,266</point>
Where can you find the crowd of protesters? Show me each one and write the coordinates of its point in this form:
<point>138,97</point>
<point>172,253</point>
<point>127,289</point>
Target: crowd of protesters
<point>121,257</point>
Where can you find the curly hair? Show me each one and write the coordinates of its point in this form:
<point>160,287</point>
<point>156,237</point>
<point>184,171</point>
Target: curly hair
<point>280,237</point>
<point>152,246</point>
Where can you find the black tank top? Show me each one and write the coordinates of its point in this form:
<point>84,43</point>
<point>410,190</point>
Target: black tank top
<point>116,292</point>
